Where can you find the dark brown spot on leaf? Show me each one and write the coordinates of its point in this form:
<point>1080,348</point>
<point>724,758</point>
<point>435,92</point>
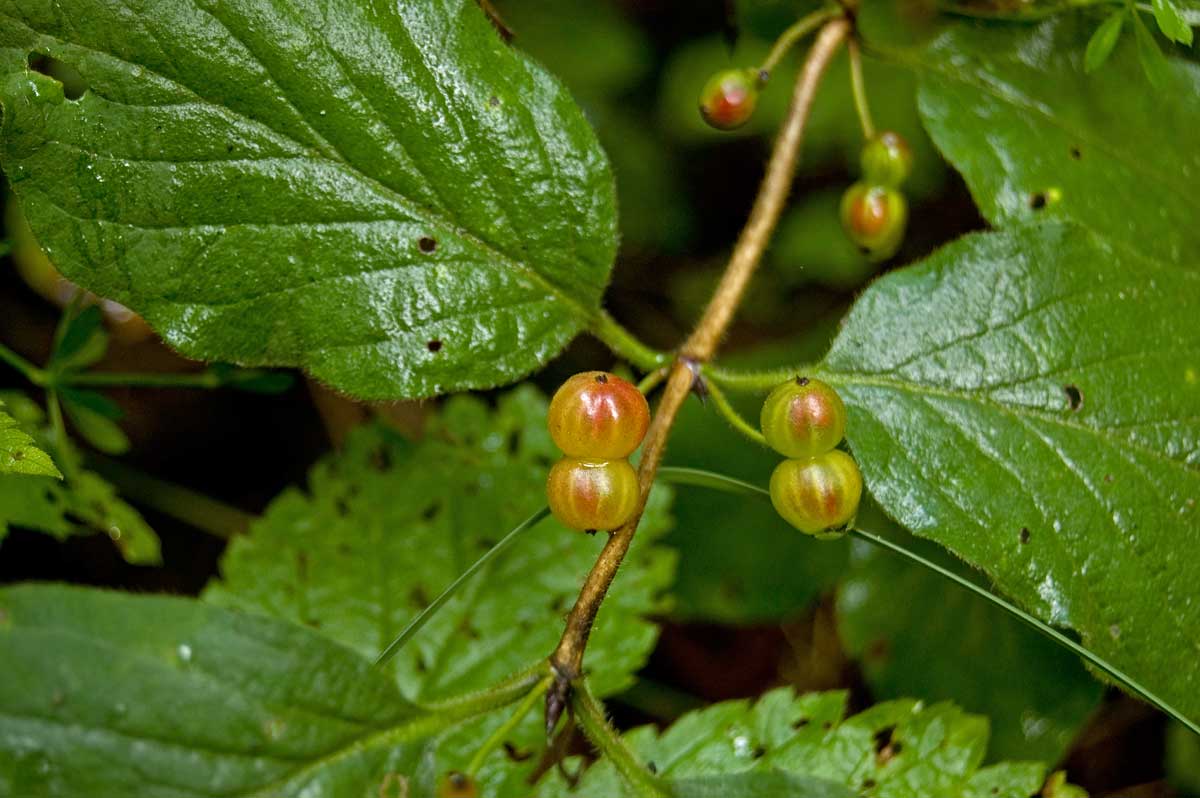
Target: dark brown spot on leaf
<point>434,345</point>
<point>427,244</point>
<point>1037,200</point>
<point>1076,153</point>
<point>1024,536</point>
<point>1074,396</point>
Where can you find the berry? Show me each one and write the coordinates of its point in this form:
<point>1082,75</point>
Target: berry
<point>457,785</point>
<point>803,418</point>
<point>820,495</point>
<point>729,97</point>
<point>874,218</point>
<point>598,416</point>
<point>886,159</point>
<point>592,495</point>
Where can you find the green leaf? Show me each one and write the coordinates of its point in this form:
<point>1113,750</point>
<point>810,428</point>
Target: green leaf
<point>388,524</point>
<point>1027,399</point>
<point>1104,150</point>
<point>899,749</point>
<point>757,785</point>
<point>1154,63</point>
<point>384,194</point>
<point>1101,45</point>
<point>83,504</point>
<point>92,414</point>
<point>82,341</point>
<point>1171,22</point>
<point>916,635</point>
<point>18,452</point>
<point>111,695</point>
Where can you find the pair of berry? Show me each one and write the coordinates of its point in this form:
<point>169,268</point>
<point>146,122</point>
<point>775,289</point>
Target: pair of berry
<point>597,420</point>
<point>874,212</point>
<point>818,488</point>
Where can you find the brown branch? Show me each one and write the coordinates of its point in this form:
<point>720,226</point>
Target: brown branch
<point>567,659</point>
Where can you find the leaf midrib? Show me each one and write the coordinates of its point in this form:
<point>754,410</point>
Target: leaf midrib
<point>582,313</point>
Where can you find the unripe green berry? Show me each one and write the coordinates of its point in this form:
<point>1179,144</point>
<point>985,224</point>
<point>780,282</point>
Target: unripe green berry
<point>803,418</point>
<point>457,785</point>
<point>886,159</point>
<point>729,98</point>
<point>874,218</point>
<point>592,495</point>
<point>820,495</point>
<point>598,416</point>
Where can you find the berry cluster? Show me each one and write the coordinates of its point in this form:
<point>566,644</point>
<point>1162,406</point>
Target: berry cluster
<point>597,420</point>
<point>818,488</point>
<point>874,212</point>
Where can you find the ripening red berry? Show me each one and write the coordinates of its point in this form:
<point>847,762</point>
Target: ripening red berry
<point>886,159</point>
<point>803,418</point>
<point>728,98</point>
<point>820,495</point>
<point>874,218</point>
<point>598,416</point>
<point>457,785</point>
<point>592,495</point>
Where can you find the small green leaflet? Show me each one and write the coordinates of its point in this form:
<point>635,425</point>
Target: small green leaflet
<point>901,749</point>
<point>387,524</point>
<point>1171,22</point>
<point>1027,399</point>
<point>19,455</point>
<point>1101,45</point>
<point>82,504</point>
<point>385,194</point>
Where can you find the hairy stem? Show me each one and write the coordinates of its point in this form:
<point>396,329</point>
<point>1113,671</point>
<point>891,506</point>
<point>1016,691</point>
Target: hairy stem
<point>625,344</point>
<point>567,659</point>
<point>721,403</point>
<point>755,381</point>
<point>504,729</point>
<point>590,715</point>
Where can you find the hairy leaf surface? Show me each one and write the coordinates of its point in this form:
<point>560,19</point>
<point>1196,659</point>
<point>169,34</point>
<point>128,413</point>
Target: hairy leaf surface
<point>383,193</point>
<point>388,524</point>
<point>898,749</point>
<point>1029,400</point>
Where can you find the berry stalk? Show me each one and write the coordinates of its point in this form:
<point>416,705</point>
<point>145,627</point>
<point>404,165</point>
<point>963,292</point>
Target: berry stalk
<point>567,659</point>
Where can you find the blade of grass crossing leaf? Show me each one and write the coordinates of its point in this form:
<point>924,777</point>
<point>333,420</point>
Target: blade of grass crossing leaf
<point>423,618</point>
<point>708,479</point>
<point>1101,45</point>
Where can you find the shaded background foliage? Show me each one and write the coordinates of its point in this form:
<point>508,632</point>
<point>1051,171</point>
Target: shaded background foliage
<point>754,605</point>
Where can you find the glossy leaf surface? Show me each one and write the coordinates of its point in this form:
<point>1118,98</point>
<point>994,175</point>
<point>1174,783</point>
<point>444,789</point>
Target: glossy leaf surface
<point>384,194</point>
<point>1028,400</point>
<point>1036,137</point>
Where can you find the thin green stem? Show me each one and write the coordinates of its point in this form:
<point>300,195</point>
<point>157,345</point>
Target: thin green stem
<point>193,508</point>
<point>506,692</point>
<point>426,614</point>
<point>62,444</point>
<point>590,715</point>
<point>625,344</point>
<point>707,479</point>
<point>27,369</point>
<point>100,379</point>
<point>652,380</point>
<point>730,413</point>
<point>788,39</point>
<point>502,731</point>
<point>858,85</point>
<point>755,381</point>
